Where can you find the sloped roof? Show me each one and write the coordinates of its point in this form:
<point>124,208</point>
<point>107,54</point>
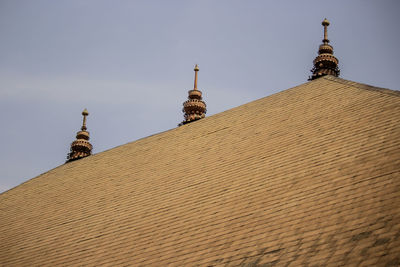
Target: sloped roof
<point>310,175</point>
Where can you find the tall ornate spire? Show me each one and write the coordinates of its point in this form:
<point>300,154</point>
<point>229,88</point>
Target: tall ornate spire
<point>325,63</point>
<point>194,108</point>
<point>81,147</point>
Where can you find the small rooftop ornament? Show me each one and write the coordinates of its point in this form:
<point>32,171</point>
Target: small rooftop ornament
<point>194,108</point>
<point>325,63</point>
<point>81,147</point>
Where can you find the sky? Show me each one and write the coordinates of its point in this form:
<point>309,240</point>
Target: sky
<point>130,63</point>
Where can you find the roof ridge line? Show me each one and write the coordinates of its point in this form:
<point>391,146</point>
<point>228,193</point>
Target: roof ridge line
<point>362,85</point>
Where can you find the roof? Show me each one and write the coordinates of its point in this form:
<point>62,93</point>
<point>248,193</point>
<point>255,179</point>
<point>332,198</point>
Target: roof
<point>310,175</point>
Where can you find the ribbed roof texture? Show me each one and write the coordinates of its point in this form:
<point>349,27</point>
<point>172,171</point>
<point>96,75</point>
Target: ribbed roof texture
<point>308,176</point>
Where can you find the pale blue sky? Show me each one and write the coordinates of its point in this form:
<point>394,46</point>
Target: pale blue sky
<point>130,63</point>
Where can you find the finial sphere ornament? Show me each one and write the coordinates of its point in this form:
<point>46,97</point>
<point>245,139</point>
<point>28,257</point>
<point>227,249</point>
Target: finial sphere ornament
<point>325,22</point>
<point>85,112</point>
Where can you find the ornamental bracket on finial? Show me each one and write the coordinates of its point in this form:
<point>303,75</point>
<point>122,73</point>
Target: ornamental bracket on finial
<point>325,63</point>
<point>194,108</point>
<point>81,147</point>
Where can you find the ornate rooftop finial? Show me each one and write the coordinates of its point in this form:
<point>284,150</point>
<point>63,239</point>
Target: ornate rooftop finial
<point>325,63</point>
<point>194,108</point>
<point>81,147</point>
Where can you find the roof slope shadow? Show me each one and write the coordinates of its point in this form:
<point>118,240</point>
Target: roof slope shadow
<point>309,175</point>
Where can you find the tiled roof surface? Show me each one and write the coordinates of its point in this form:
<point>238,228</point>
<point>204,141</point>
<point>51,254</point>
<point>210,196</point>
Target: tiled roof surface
<point>308,176</point>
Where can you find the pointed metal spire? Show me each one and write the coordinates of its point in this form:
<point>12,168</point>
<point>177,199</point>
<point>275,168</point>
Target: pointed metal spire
<point>196,69</point>
<point>81,147</point>
<point>85,113</point>
<point>325,63</point>
<point>194,108</point>
<point>325,23</point>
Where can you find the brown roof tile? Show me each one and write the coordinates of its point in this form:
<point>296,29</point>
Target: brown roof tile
<point>308,176</point>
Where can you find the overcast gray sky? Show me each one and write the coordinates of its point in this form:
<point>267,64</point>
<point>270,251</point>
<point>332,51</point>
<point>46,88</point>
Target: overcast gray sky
<point>130,63</point>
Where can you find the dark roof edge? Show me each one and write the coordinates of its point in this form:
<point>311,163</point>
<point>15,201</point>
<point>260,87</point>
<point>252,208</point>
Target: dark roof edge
<point>362,85</point>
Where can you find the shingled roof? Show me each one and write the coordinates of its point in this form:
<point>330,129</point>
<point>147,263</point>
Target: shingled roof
<point>307,176</point>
